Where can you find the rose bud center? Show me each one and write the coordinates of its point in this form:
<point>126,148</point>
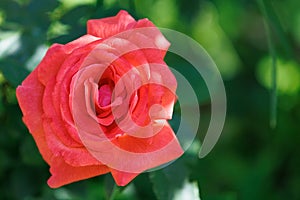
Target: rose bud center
<point>105,93</point>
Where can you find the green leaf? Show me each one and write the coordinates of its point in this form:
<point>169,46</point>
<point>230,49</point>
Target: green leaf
<point>110,187</point>
<point>13,71</point>
<point>36,58</point>
<point>10,43</point>
<point>161,185</point>
<point>189,191</point>
<point>29,152</point>
<point>166,182</point>
<point>274,24</point>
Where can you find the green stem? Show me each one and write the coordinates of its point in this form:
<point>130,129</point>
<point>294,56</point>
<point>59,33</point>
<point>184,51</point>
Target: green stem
<point>268,26</point>
<point>114,192</point>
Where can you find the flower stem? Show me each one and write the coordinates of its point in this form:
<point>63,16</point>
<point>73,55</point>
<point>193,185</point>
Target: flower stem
<point>114,192</point>
<point>273,99</point>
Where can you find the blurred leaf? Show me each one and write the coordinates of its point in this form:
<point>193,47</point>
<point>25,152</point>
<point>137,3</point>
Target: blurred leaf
<point>2,17</point>
<point>2,109</point>
<point>36,58</point>
<point>13,71</point>
<point>191,74</point>
<point>169,180</point>
<point>144,187</point>
<point>268,26</point>
<point>22,183</point>
<point>110,186</point>
<point>74,3</point>
<point>113,192</point>
<point>10,43</point>
<point>287,78</point>
<point>228,12</point>
<point>75,22</point>
<point>162,13</point>
<point>57,29</point>
<point>223,196</point>
<point>188,11</point>
<point>209,34</point>
<point>10,94</point>
<point>161,185</point>
<point>274,24</point>
<point>189,191</point>
<point>63,194</point>
<point>22,2</point>
<point>29,152</point>
<point>5,162</point>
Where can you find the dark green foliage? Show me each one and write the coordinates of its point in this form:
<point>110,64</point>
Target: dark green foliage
<point>250,161</point>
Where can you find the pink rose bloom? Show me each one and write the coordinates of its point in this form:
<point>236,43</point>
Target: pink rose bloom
<point>100,103</point>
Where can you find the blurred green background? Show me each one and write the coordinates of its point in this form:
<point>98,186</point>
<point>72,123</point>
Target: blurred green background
<point>251,159</point>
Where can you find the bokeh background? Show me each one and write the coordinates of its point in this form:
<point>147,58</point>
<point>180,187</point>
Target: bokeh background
<point>258,154</point>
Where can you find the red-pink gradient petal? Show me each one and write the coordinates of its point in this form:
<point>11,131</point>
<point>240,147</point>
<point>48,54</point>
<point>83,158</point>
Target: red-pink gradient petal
<point>154,35</point>
<point>56,55</point>
<point>110,26</point>
<point>59,139</point>
<point>29,96</point>
<point>63,174</point>
<point>79,136</point>
<point>146,145</point>
<point>80,42</point>
<point>50,64</point>
<point>71,155</point>
<point>130,154</point>
<point>122,178</point>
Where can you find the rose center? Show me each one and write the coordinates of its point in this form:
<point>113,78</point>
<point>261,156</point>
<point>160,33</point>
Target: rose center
<point>104,97</point>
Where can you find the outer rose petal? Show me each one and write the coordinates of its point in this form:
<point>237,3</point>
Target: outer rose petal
<point>80,42</point>
<point>110,26</point>
<point>155,36</point>
<point>49,66</point>
<point>59,138</point>
<point>72,156</point>
<point>56,55</point>
<point>122,178</point>
<point>30,95</point>
<point>63,173</point>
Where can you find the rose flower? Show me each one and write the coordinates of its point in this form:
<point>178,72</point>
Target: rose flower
<point>100,103</point>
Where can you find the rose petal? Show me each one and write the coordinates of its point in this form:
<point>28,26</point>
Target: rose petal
<point>56,55</point>
<point>59,139</point>
<point>129,154</point>
<point>146,145</point>
<point>52,113</point>
<point>72,156</point>
<point>80,42</point>
<point>55,130</point>
<point>63,174</point>
<point>122,178</point>
<point>30,95</point>
<point>110,26</point>
<point>154,35</point>
<point>51,63</point>
<point>61,89</point>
